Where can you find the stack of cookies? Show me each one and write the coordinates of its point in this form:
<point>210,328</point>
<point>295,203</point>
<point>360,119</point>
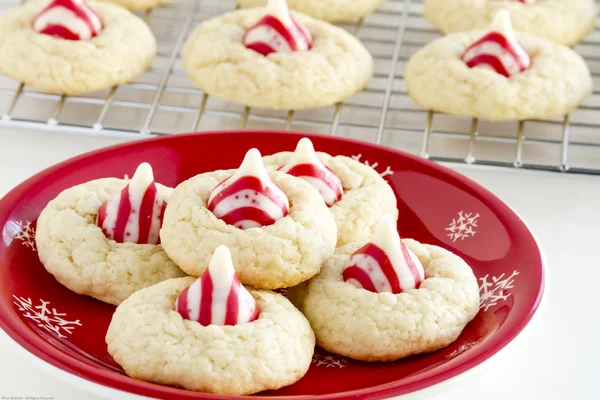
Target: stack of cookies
<point>195,271</point>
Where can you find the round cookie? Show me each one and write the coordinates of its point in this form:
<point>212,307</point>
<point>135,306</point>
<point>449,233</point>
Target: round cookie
<point>562,21</point>
<point>75,250</point>
<point>367,196</point>
<point>123,50</point>
<point>216,60</point>
<point>557,81</point>
<point>369,326</point>
<point>280,255</point>
<point>138,4</point>
<point>153,342</point>
<point>326,10</point>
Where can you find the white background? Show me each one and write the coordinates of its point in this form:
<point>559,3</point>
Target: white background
<point>555,359</point>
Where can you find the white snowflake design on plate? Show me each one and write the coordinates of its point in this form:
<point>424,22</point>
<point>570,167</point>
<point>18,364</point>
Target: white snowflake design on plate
<point>328,361</point>
<point>386,172</point>
<point>495,289</point>
<point>26,234</point>
<point>463,226</point>
<point>45,316</point>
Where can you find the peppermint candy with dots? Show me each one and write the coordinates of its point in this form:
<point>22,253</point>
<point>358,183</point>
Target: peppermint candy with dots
<point>68,19</point>
<point>249,198</point>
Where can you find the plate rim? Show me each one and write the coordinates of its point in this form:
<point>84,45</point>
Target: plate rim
<point>416,384</point>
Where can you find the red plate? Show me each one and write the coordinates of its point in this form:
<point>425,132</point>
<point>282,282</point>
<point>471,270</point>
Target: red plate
<point>436,205</point>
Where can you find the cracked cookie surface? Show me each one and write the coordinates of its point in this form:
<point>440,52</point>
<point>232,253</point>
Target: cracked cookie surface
<point>326,10</point>
<point>216,60</point>
<point>153,342</point>
<point>123,50</point>
<point>557,81</point>
<point>138,4</point>
<point>369,326</point>
<point>75,250</point>
<point>562,21</point>
<point>367,196</point>
<point>280,255</point>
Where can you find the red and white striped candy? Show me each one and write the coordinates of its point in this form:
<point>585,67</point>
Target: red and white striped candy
<point>306,165</point>
<point>249,198</point>
<point>135,214</point>
<point>68,19</point>
<point>498,50</point>
<point>217,297</point>
<point>384,264</point>
<point>278,32</point>
<point>528,1</point>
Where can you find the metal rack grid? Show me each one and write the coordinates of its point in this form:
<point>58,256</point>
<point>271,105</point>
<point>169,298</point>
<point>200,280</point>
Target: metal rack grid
<point>164,101</point>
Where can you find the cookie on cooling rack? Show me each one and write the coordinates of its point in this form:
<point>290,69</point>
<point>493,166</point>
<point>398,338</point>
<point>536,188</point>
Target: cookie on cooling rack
<point>277,226</point>
<point>387,299</point>
<point>561,21</point>
<point>101,238</point>
<point>138,4</point>
<point>211,334</point>
<point>356,194</point>
<point>269,58</point>
<point>327,10</point>
<point>73,46</point>
<point>498,74</point>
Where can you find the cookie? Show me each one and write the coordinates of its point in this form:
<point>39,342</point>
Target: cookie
<point>326,10</point>
<point>285,249</point>
<point>138,4</point>
<point>365,199</point>
<point>565,22</point>
<point>121,51</point>
<point>372,326</point>
<point>79,255</point>
<point>217,61</point>
<point>153,342</point>
<point>556,82</point>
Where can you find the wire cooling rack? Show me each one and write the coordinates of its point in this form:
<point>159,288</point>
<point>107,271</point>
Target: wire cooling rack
<point>164,101</point>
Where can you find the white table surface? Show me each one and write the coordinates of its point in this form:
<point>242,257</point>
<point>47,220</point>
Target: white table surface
<point>555,359</point>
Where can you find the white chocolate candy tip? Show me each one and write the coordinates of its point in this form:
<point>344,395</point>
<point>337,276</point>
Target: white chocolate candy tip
<point>279,9</point>
<point>220,266</point>
<point>143,172</point>
<point>141,179</point>
<point>305,154</point>
<point>252,165</point>
<point>502,24</point>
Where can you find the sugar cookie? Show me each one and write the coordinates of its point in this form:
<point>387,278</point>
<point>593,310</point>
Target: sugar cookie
<point>276,241</point>
<point>392,313</point>
<point>138,4</point>
<point>440,77</point>
<point>153,342</point>
<point>218,62</point>
<point>561,21</point>
<point>122,50</point>
<point>80,256</point>
<point>326,10</point>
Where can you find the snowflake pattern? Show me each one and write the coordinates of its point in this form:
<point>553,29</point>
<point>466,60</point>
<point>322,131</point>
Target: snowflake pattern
<point>26,234</point>
<point>386,172</point>
<point>495,289</point>
<point>463,226</point>
<point>328,361</point>
<point>45,317</point>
